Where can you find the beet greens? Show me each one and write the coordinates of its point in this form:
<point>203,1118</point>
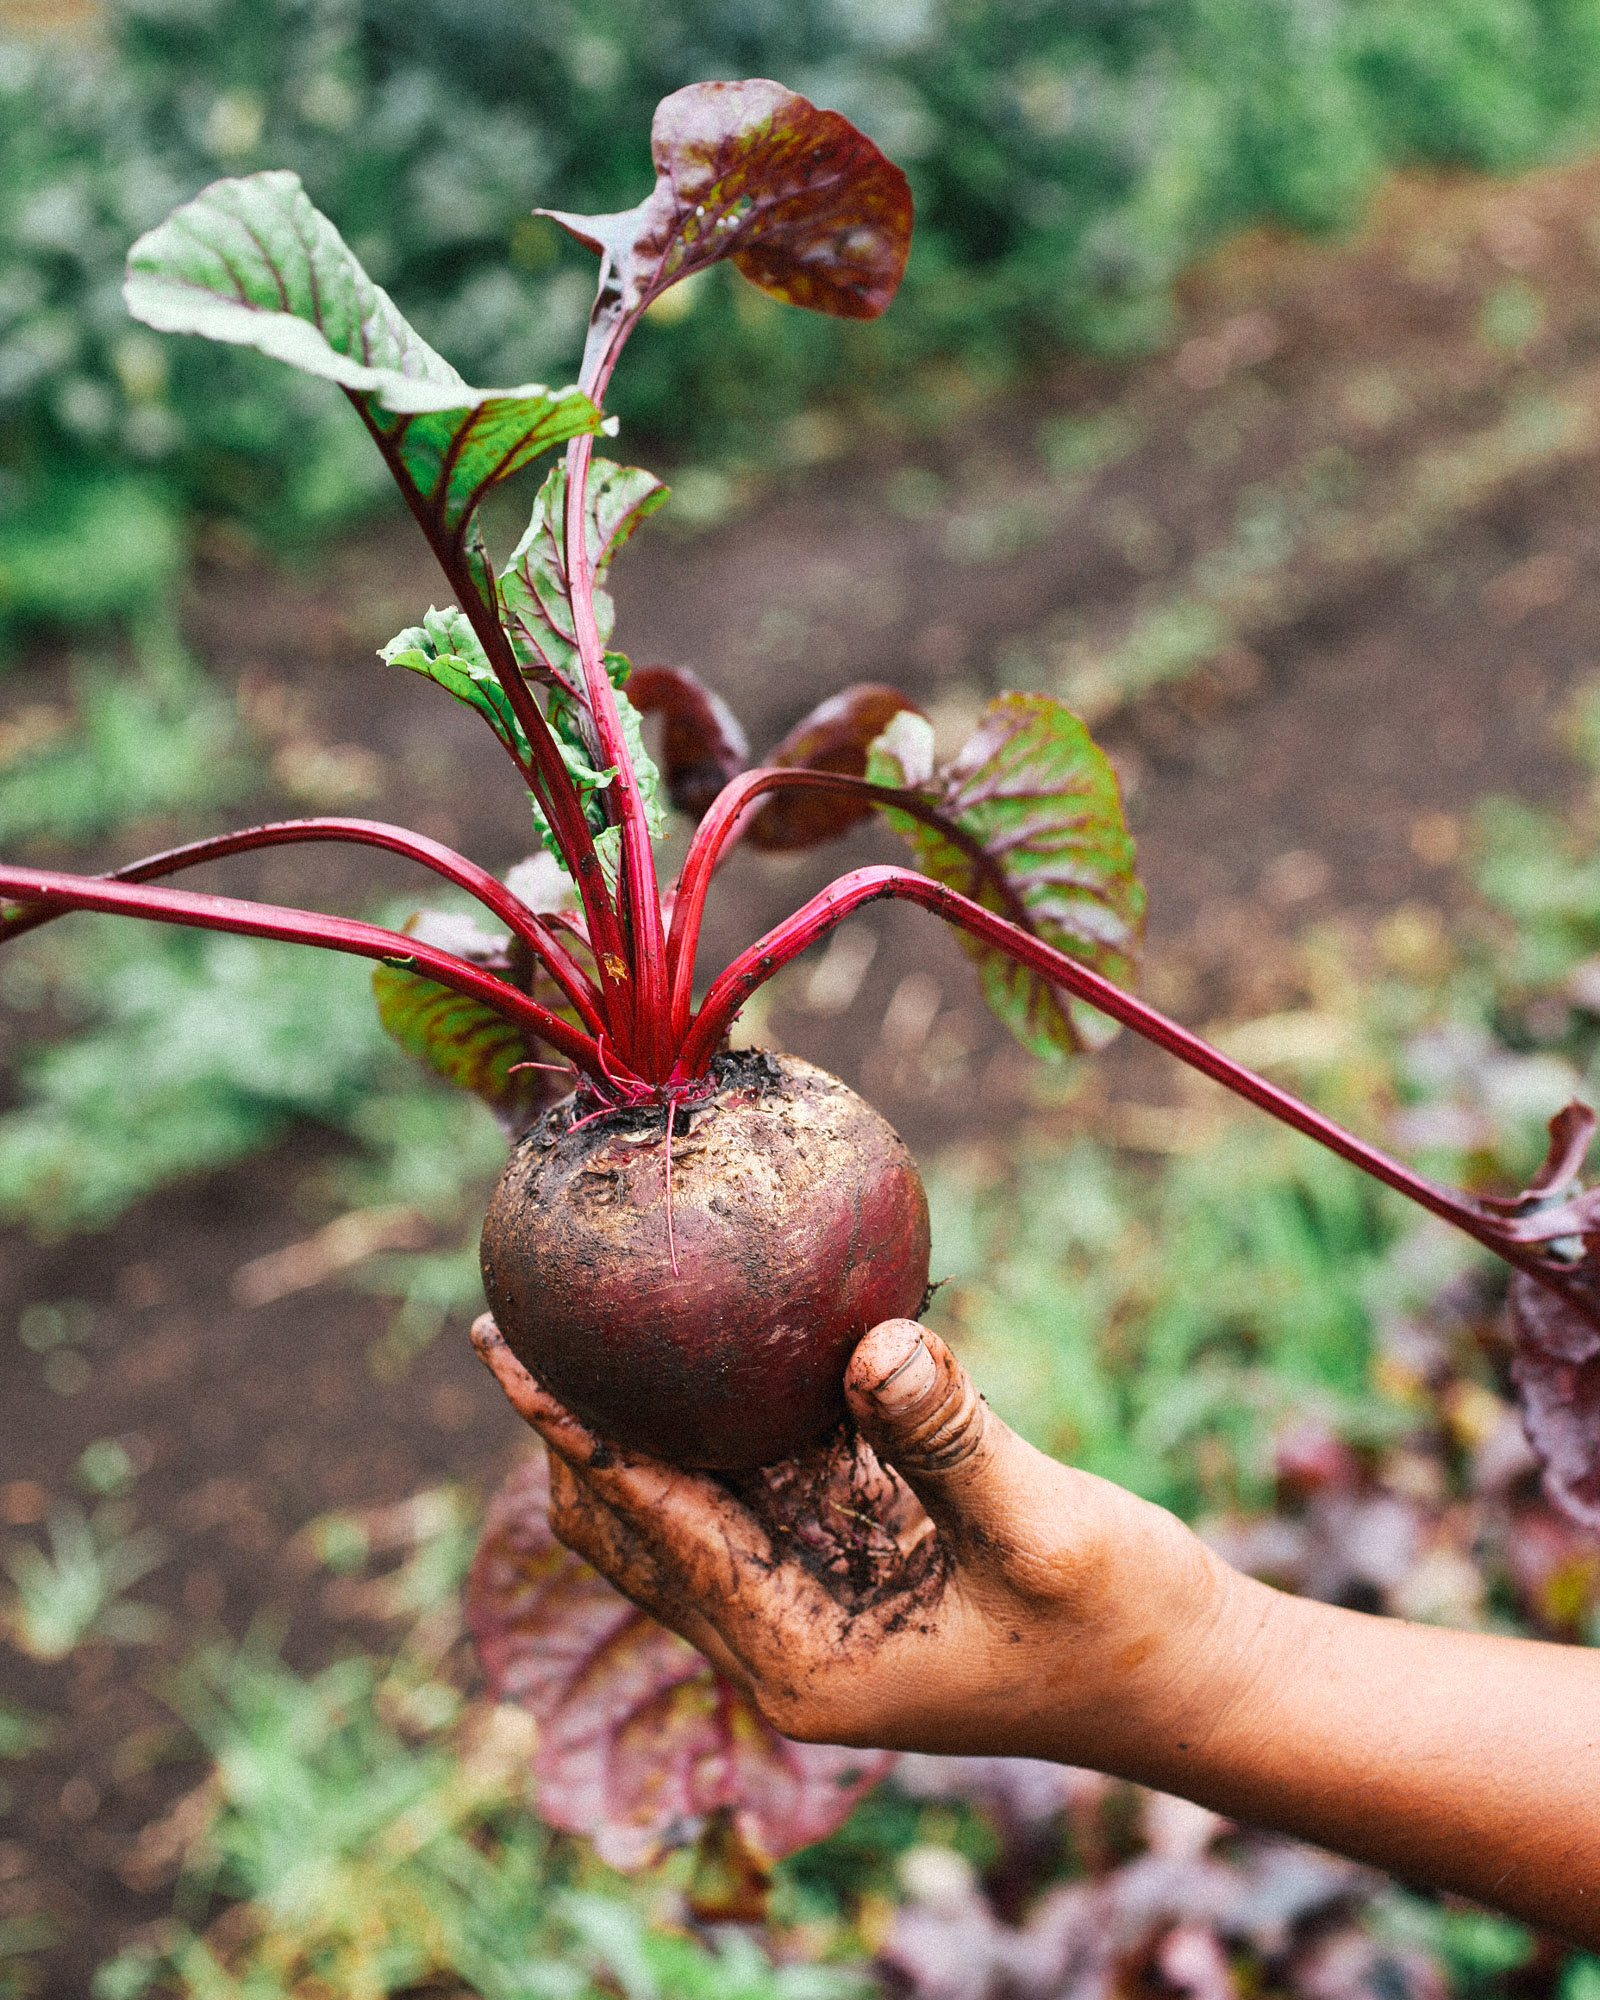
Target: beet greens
<point>1018,840</point>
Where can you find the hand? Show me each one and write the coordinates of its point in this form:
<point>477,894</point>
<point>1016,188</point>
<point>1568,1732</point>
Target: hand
<point>1062,1617</point>
<point>1058,1616</point>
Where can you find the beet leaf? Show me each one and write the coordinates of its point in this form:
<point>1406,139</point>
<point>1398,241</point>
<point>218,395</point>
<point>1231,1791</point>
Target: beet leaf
<point>805,205</point>
<point>642,1744</point>
<point>1556,1368</point>
<point>836,736</point>
<point>536,585</point>
<point>445,649</point>
<point>703,744</point>
<point>251,262</point>
<point>458,1037</point>
<point>1028,823</point>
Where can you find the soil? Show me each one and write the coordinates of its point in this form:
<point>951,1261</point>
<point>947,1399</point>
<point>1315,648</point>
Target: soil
<point>1367,476</point>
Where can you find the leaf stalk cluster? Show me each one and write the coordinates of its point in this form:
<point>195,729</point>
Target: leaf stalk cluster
<point>1019,839</point>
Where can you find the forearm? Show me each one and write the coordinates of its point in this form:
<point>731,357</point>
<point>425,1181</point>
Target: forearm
<point>1455,1759</point>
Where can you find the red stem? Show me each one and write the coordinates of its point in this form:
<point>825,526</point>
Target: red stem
<point>229,913</point>
<point>494,895</point>
<point>549,779</point>
<point>729,817</point>
<point>640,890</point>
<point>864,885</point>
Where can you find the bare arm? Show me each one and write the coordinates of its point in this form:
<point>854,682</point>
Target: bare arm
<point>1071,1620</point>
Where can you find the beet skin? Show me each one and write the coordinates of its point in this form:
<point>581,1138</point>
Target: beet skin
<point>799,1219</point>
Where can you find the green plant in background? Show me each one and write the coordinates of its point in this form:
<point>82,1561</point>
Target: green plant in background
<point>78,1590</point>
<point>1068,163</point>
<point>126,1105</point>
<point>1162,1332</point>
<point>368,1825</point>
<point>20,1938</point>
<point>130,1103</point>
<point>21,1734</point>
<point>160,740</point>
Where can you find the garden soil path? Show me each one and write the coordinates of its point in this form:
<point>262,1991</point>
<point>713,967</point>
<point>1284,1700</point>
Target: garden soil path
<point>1346,538</point>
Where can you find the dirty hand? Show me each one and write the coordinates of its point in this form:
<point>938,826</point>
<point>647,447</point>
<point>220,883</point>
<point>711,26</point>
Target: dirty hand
<point>1062,1618</point>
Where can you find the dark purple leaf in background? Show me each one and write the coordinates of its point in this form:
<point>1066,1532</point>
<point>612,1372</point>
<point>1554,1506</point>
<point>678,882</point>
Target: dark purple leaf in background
<point>835,736</point>
<point>1178,1906</point>
<point>1557,1371</point>
<point>641,1743</point>
<point>702,744</point>
<point>1571,1130</point>
<point>1555,1569</point>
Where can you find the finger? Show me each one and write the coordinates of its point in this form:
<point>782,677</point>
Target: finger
<point>554,1422</point>
<point>685,1525</point>
<point>579,1518</point>
<point>698,1534</point>
<point>691,1554</point>
<point>920,1412</point>
<point>583,1522</point>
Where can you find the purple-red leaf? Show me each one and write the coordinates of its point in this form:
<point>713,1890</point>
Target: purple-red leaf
<point>805,205</point>
<point>1557,1372</point>
<point>835,736</point>
<point>1571,1130</point>
<point>702,744</point>
<point>641,1743</point>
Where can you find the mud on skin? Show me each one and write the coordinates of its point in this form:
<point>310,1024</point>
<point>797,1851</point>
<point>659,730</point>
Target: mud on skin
<point>799,1220</point>
<point>849,1522</point>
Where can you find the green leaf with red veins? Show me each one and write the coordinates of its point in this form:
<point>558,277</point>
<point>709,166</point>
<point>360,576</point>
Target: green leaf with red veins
<point>804,204</point>
<point>445,649</point>
<point>836,736</point>
<point>1034,831</point>
<point>251,262</point>
<point>641,1742</point>
<point>535,593</point>
<point>459,1038</point>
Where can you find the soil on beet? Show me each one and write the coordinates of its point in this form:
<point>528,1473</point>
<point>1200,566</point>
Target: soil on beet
<point>1362,693</point>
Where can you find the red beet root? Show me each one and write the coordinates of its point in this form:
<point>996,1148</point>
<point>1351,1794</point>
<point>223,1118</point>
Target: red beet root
<point>799,1221</point>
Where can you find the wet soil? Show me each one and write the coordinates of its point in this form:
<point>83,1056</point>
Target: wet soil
<point>1367,478</point>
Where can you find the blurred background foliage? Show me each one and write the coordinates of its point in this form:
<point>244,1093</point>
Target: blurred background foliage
<point>1069,160</point>
<point>1297,1361</point>
<point>1228,1321</point>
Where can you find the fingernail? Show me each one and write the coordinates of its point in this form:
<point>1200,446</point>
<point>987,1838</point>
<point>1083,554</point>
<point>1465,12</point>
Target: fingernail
<point>907,1384</point>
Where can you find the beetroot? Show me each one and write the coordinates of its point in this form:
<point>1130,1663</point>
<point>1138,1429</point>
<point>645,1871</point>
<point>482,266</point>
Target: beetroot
<point>798,1220</point>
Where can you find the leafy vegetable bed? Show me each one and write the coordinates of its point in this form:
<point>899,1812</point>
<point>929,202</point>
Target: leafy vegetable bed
<point>227,1348</point>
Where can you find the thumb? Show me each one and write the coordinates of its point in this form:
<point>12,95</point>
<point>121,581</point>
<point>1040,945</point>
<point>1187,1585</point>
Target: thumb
<point>918,1409</point>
